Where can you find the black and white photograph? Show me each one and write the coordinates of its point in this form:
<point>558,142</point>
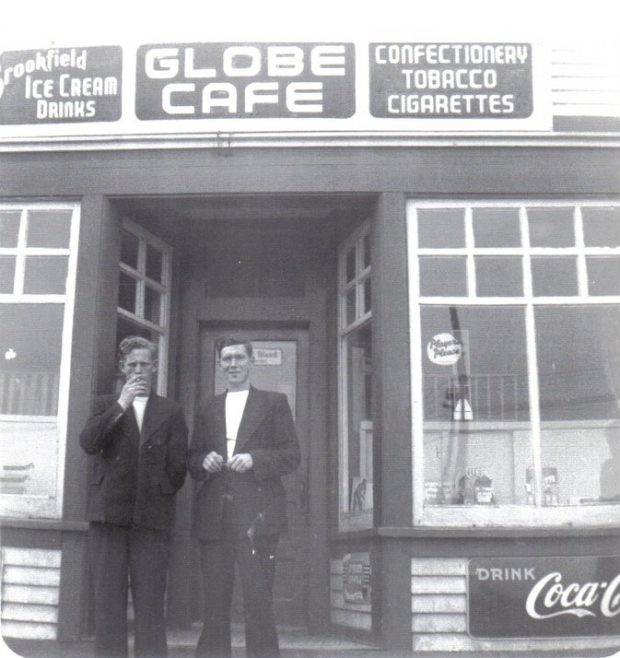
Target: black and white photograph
<point>309,329</point>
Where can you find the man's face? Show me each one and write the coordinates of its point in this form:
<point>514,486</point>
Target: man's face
<point>235,365</point>
<point>139,364</point>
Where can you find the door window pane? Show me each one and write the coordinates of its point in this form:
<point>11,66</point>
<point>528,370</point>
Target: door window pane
<point>554,275</point>
<point>367,296</point>
<point>127,292</point>
<point>499,276</point>
<point>443,276</point>
<point>49,228</point>
<point>9,228</point>
<point>129,249</point>
<point>7,274</point>
<point>152,305</point>
<point>441,227</point>
<point>359,395</point>
<point>551,227</point>
<point>601,227</point>
<point>477,435</point>
<point>603,275</point>
<point>579,381</point>
<point>366,251</point>
<point>496,227</point>
<point>350,264</point>
<point>154,263</point>
<point>45,275</point>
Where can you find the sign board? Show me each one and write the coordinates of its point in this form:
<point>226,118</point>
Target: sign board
<point>356,573</point>
<point>544,597</point>
<point>267,356</point>
<point>451,80</point>
<point>250,80</point>
<point>61,85</point>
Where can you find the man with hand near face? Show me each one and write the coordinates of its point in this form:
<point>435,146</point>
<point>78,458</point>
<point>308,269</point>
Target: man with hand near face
<point>243,441</point>
<point>139,445</point>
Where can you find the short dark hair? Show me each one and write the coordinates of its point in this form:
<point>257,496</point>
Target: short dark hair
<point>130,343</point>
<point>227,341</point>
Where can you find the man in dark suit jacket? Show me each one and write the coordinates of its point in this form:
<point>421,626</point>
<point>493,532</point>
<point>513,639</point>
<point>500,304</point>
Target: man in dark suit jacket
<point>139,445</point>
<point>243,441</point>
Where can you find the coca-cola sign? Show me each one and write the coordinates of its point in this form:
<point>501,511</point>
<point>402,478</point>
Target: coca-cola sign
<point>544,596</point>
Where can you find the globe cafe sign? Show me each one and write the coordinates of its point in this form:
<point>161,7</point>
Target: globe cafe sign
<point>245,86</point>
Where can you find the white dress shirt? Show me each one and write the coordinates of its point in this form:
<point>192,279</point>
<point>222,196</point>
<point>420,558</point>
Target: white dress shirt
<point>139,406</point>
<point>235,404</point>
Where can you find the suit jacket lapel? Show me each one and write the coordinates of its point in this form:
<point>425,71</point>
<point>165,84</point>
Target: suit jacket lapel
<point>254,412</point>
<point>154,416</point>
<point>219,424</point>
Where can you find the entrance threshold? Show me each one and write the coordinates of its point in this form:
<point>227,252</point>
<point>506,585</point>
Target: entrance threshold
<point>295,642</point>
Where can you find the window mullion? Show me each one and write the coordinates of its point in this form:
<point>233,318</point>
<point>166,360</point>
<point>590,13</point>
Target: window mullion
<point>534,395</point>
<point>582,271</point>
<point>470,244</point>
<point>20,257</point>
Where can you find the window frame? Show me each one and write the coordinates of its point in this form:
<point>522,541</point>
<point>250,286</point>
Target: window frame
<point>162,330</point>
<point>45,506</point>
<point>600,515</point>
<point>363,317</point>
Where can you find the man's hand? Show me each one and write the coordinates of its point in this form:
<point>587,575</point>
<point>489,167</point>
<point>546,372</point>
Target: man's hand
<point>136,385</point>
<point>240,463</point>
<point>213,462</point>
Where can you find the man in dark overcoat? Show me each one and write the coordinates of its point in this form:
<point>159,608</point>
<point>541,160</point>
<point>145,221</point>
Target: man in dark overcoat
<point>138,443</point>
<point>243,441</point>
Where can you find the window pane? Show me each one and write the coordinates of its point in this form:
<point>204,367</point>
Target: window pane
<point>551,227</point>
<point>496,227</point>
<point>367,296</point>
<point>350,264</point>
<point>30,347</point>
<point>366,260</point>
<point>7,274</point>
<point>477,436</point>
<point>350,306</point>
<point>360,409</point>
<point>499,276</point>
<point>129,249</point>
<point>443,276</point>
<point>554,275</point>
<point>603,275</point>
<point>579,380</point>
<point>441,227</point>
<point>152,305</point>
<point>127,293</point>
<point>601,227</point>
<point>45,275</point>
<point>9,228</point>
<point>154,263</point>
<point>49,228</point>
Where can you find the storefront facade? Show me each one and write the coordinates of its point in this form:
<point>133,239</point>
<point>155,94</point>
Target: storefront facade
<point>437,294</point>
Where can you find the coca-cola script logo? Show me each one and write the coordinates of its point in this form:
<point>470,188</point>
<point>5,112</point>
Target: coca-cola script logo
<point>551,597</point>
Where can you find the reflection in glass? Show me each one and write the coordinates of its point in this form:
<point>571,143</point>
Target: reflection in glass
<point>127,293</point>
<point>350,306</point>
<point>601,227</point>
<point>441,228</point>
<point>579,381</point>
<point>360,411</point>
<point>49,228</point>
<point>477,435</point>
<point>496,227</point>
<point>499,276</point>
<point>45,275</point>
<point>9,228</point>
<point>443,276</point>
<point>154,263</point>
<point>129,249</point>
<point>350,264</point>
<point>554,275</point>
<point>603,275</point>
<point>7,274</point>
<point>551,227</point>
<point>30,347</point>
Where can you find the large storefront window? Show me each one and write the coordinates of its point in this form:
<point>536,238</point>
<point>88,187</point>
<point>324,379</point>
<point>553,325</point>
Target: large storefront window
<point>144,292</point>
<point>38,247</point>
<point>515,319</point>
<point>356,382</point>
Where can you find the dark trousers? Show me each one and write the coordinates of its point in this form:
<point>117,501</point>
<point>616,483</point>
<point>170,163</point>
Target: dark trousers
<point>256,563</point>
<point>117,551</point>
